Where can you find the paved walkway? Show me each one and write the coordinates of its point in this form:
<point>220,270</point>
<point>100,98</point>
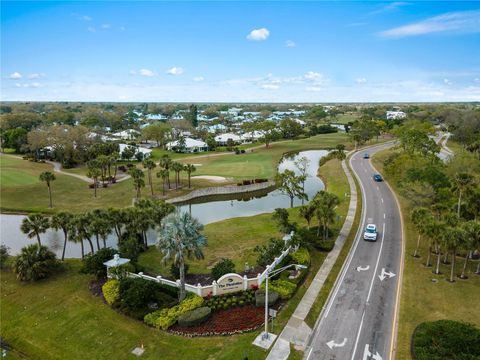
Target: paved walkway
<point>297,331</point>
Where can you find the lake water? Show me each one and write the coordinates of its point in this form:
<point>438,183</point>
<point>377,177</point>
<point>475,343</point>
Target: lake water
<point>206,212</point>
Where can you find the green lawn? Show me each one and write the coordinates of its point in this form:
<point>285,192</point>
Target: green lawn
<point>262,162</point>
<point>421,298</point>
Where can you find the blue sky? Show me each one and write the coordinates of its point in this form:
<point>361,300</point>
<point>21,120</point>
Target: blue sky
<point>240,51</point>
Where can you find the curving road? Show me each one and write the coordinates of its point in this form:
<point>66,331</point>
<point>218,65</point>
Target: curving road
<point>358,319</point>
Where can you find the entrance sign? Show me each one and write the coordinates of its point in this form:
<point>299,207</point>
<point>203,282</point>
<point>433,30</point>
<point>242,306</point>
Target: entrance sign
<point>229,283</point>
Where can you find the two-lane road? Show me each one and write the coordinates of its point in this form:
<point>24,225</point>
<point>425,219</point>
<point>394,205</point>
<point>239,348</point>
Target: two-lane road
<point>358,320</point>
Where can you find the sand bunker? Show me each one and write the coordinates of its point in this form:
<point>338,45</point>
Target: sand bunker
<point>210,177</point>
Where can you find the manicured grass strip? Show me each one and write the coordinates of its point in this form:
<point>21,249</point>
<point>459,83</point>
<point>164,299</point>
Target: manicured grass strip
<point>330,281</point>
<point>423,299</point>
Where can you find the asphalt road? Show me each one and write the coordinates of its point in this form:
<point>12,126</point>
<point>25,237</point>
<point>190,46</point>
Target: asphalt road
<point>357,321</point>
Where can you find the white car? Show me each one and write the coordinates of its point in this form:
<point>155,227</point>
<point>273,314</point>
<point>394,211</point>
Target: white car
<point>370,233</point>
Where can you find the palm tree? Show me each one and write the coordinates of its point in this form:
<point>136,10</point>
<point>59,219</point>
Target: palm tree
<point>81,225</point>
<point>103,161</point>
<point>99,226</point>
<point>34,262</point>
<point>164,174</point>
<point>166,163</point>
<point>117,219</point>
<point>34,225</point>
<point>149,164</point>
<point>325,204</point>
<point>48,177</point>
<point>179,236</point>
<point>455,240</point>
<point>420,218</point>
<point>138,182</point>
<point>189,168</point>
<point>307,212</point>
<point>442,235</point>
<point>139,221</point>
<point>94,172</point>
<point>177,167</point>
<point>463,182</point>
<point>472,240</point>
<point>63,221</point>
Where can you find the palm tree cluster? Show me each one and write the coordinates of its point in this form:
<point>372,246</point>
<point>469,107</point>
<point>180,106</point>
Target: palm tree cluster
<point>450,226</point>
<point>322,207</point>
<point>167,165</point>
<point>95,226</point>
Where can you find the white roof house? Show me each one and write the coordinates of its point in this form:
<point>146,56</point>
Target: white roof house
<point>253,135</point>
<point>223,138</point>
<point>146,152</point>
<point>396,115</point>
<point>155,117</point>
<point>217,127</point>
<point>301,122</point>
<point>129,134</point>
<point>191,145</point>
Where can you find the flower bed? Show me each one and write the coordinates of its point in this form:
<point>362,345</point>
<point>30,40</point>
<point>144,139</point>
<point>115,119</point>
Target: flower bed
<point>226,322</point>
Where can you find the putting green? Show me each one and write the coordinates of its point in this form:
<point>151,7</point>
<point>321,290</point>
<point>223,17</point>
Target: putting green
<point>11,177</point>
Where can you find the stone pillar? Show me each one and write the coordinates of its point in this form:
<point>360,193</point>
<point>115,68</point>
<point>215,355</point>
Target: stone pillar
<point>199,289</point>
<point>214,288</point>
<point>245,282</point>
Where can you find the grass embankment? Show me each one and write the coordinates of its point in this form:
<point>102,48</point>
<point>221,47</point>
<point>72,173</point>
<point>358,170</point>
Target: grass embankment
<point>421,298</point>
<point>262,162</point>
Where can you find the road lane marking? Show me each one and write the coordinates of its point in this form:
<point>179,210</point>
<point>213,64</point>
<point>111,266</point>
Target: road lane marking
<point>367,354</point>
<point>378,188</point>
<point>332,344</point>
<point>376,265</point>
<point>381,199</point>
<point>358,336</point>
<point>385,274</point>
<point>359,268</point>
<point>384,215</point>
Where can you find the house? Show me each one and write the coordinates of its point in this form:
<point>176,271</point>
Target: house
<point>154,117</point>
<point>222,139</point>
<point>253,135</point>
<point>214,128</point>
<point>301,122</point>
<point>144,151</point>
<point>395,115</point>
<point>191,145</point>
<point>129,134</point>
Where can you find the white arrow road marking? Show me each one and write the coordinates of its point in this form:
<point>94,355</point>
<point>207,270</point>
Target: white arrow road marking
<point>385,274</point>
<point>332,344</point>
<point>367,354</point>
<point>359,268</point>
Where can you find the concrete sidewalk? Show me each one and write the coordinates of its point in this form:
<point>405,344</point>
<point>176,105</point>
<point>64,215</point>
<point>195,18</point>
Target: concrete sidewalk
<point>297,331</point>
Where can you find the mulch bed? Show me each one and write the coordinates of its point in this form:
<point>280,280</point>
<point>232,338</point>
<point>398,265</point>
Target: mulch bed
<point>95,286</point>
<point>226,322</point>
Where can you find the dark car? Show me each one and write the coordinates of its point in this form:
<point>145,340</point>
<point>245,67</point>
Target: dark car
<point>377,177</point>
<point>366,156</point>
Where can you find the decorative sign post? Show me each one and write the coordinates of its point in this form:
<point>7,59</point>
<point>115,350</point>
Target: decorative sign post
<point>230,283</point>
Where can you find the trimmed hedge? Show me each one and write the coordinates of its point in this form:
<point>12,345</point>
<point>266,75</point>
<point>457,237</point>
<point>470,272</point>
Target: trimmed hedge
<point>111,291</point>
<point>260,297</point>
<point>195,317</point>
<point>444,340</point>
<point>301,256</point>
<point>163,319</point>
<point>227,301</point>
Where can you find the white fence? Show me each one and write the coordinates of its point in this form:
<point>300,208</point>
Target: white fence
<point>215,288</point>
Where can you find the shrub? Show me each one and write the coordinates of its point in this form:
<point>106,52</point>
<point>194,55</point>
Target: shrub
<point>301,256</point>
<point>175,270</point>
<point>93,263</point>
<point>111,291</point>
<point>34,263</point>
<point>267,253</point>
<point>121,271</point>
<point>165,318</point>
<point>446,339</point>
<point>3,256</point>
<point>260,297</point>
<point>225,266</point>
<point>326,245</point>
<point>195,317</point>
<point>284,288</point>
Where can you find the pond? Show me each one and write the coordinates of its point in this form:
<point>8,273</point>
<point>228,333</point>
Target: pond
<point>206,212</point>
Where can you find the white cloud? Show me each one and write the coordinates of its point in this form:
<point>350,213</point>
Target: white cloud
<point>290,44</point>
<point>198,78</point>
<point>85,18</point>
<point>447,82</point>
<point>453,22</point>
<point>175,71</point>
<point>476,80</point>
<point>15,75</point>
<point>143,72</point>
<point>122,28</point>
<point>389,7</point>
<point>360,80</point>
<point>106,26</point>
<point>258,34</point>
<point>28,85</point>
<point>270,86</point>
<point>313,88</point>
<point>91,29</point>
<point>311,75</point>
<point>36,76</point>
